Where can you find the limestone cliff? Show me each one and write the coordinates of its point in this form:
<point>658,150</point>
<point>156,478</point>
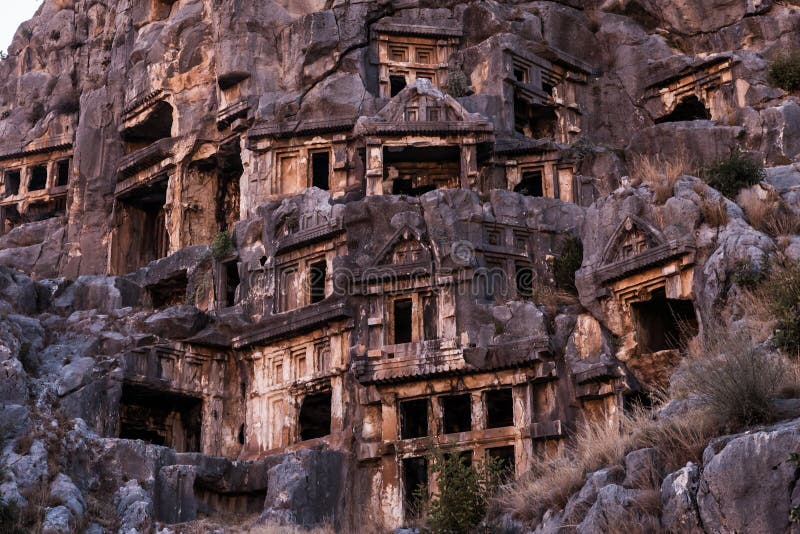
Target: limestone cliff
<point>260,258</point>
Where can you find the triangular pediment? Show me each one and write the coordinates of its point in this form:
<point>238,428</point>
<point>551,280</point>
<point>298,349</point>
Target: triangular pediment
<point>404,248</point>
<point>632,237</point>
<point>422,102</point>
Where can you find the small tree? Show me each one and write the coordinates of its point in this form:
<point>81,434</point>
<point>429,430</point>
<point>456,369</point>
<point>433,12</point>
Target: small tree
<point>566,263</point>
<point>464,490</point>
<point>729,176</point>
<point>222,245</point>
<point>784,72</point>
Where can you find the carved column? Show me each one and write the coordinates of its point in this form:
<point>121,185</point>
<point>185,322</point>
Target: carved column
<point>374,173</point>
<point>469,164</point>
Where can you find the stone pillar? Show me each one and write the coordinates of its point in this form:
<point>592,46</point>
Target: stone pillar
<point>469,164</point>
<point>391,494</point>
<point>374,171</point>
<point>478,415</point>
<point>523,447</point>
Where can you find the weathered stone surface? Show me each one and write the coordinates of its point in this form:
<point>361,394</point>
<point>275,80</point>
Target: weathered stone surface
<point>679,512</point>
<point>727,497</point>
<point>305,488</point>
<point>177,322</point>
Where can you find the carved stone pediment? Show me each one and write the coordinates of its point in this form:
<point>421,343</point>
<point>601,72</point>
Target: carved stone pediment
<point>404,248</point>
<point>632,238</point>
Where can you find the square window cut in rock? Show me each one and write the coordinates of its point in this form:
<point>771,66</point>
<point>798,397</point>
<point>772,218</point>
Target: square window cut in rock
<point>62,172</point>
<point>456,413</point>
<point>499,408</point>
<point>416,170</point>
<point>415,479</point>
<point>662,323</point>
<point>315,416</point>
<point>504,458</point>
<point>414,418</point>
<point>142,232</point>
<point>38,178</point>
<point>169,291</point>
<point>161,418</point>
<point>11,183</point>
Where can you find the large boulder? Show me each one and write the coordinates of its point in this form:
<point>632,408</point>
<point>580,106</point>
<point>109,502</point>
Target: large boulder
<point>176,322</point>
<point>305,488</point>
<point>749,482</point>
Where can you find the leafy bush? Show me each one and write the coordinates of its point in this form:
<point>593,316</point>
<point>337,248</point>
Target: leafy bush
<point>747,274</point>
<point>463,494</point>
<point>784,72</point>
<point>729,176</point>
<point>456,84</point>
<point>781,293</point>
<point>10,518</point>
<point>566,263</point>
<point>222,245</point>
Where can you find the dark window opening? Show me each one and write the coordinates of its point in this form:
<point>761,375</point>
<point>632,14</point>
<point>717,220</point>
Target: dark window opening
<point>547,88</point>
<point>38,179</point>
<point>465,457</point>
<point>39,211</point>
<point>457,413</point>
<point>315,416</point>
<point>430,316</point>
<point>161,418</point>
<point>636,401</point>
<point>504,456</point>
<point>417,170</point>
<point>414,419</point>
<point>520,75</point>
<point>11,183</point>
<point>212,500</point>
<point>320,170</point>
<point>317,277</point>
<point>415,479</point>
<point>169,292</point>
<point>142,231</point>
<point>396,84</point>
<point>532,120</point>
<point>156,125</point>
<point>664,324</point>
<point>63,173</point>
<point>402,321</point>
<point>229,172</point>
<point>232,282</point>
<point>524,279</point>
<point>689,109</point>
<point>9,218</point>
<point>499,408</point>
<point>531,184</point>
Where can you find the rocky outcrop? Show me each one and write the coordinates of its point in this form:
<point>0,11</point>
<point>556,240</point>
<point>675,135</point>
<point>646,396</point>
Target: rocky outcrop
<point>746,482</point>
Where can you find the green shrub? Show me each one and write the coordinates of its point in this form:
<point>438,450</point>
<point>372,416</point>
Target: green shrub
<point>456,84</point>
<point>464,490</point>
<point>784,72</point>
<point>222,245</point>
<point>10,518</point>
<point>748,274</point>
<point>781,293</point>
<point>729,176</point>
<point>566,263</point>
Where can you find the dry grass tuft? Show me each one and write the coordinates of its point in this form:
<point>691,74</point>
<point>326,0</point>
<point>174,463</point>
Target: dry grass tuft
<point>734,377</point>
<point>714,212</point>
<point>660,173</point>
<point>768,215</point>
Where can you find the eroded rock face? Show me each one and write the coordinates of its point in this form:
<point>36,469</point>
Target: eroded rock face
<point>337,228</point>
